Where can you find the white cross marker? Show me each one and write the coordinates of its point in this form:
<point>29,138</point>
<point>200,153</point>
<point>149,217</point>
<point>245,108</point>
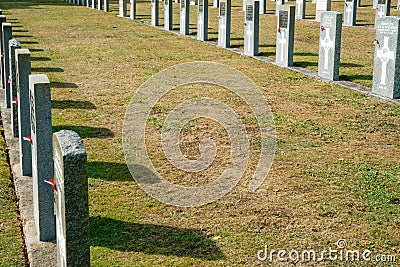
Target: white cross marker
<point>381,13</point>
<point>348,12</point>
<point>327,44</point>
<point>249,34</point>
<point>282,41</point>
<point>384,54</point>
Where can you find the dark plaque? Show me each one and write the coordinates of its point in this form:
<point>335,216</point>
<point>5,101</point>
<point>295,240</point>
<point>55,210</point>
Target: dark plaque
<point>249,12</point>
<point>348,1</point>
<point>182,4</point>
<point>283,19</point>
<point>381,2</point>
<point>201,6</point>
<point>222,9</point>
<point>166,2</point>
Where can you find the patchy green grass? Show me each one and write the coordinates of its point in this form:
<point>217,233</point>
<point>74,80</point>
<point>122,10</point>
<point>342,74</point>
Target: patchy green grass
<point>335,173</point>
<point>10,236</point>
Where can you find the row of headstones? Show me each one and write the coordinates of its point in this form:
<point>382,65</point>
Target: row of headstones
<point>99,4</point>
<point>61,208</point>
<point>330,38</point>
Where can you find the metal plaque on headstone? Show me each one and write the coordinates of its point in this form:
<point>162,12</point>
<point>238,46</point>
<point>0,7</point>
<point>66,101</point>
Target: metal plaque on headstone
<point>329,45</point>
<point>285,36</point>
<point>202,21</point>
<point>184,17</point>
<point>251,28</point>
<point>7,36</point>
<point>224,24</point>
<point>386,79</point>
<point>42,162</point>
<point>300,9</point>
<point>168,15</point>
<point>350,12</point>
<point>13,44</point>
<point>71,200</point>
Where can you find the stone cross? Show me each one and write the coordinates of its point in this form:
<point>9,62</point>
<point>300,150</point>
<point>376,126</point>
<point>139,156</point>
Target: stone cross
<point>386,79</point>
<point>71,200</point>
<point>23,69</point>
<point>184,17</point>
<point>42,163</point>
<point>251,28</point>
<point>285,36</point>
<point>122,8</point>
<point>224,23</point>
<point>202,21</point>
<point>13,45</point>
<point>7,36</point>
<point>329,45</point>
<point>168,15</point>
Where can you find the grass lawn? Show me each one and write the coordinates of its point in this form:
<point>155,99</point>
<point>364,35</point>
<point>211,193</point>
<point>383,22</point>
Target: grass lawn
<point>336,170</point>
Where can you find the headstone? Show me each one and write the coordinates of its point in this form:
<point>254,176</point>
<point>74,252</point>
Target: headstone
<point>7,36</point>
<point>386,79</point>
<point>350,12</point>
<point>279,5</point>
<point>215,3</point>
<point>300,9</point>
<point>202,21</point>
<point>168,15</point>
<point>374,4</point>
<point>42,163</point>
<point>263,6</point>
<point>100,4</point>
<point>72,204</point>
<point>285,36</point>
<point>382,10</point>
<point>251,28</point>
<point>106,5</point>
<point>359,3</point>
<point>132,10</point>
<point>93,4</point>
<point>329,45</point>
<point>2,20</point>
<point>122,8</point>
<point>224,23</point>
<point>398,5</point>
<point>154,12</point>
<point>322,6</point>
<point>13,45</point>
<point>313,2</point>
<point>184,17</point>
<point>23,67</point>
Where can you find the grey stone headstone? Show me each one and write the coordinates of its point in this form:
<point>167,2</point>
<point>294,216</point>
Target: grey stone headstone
<point>184,17</point>
<point>42,162</point>
<point>23,67</point>
<point>154,12</point>
<point>2,20</point>
<point>322,6</point>
<point>300,9</point>
<point>382,10</point>
<point>215,3</point>
<point>7,36</point>
<point>329,45</point>
<point>132,10</point>
<point>122,8</point>
<point>72,204</point>
<point>263,6</point>
<point>106,6</point>
<point>251,28</point>
<point>279,5</point>
<point>202,21</point>
<point>13,44</point>
<point>168,15</point>
<point>350,12</point>
<point>386,79</point>
<point>374,4</point>
<point>285,36</point>
<point>93,4</point>
<point>224,23</point>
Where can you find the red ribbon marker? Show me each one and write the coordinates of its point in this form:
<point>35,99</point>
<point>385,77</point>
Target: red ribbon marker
<point>279,29</point>
<point>2,55</point>
<point>376,42</point>
<point>322,28</point>
<point>28,138</point>
<point>9,79</point>
<point>15,101</point>
<point>52,183</point>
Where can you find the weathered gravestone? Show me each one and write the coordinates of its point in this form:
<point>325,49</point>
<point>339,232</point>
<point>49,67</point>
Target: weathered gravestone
<point>122,8</point>
<point>279,5</point>
<point>263,6</point>
<point>301,9</point>
<point>7,36</point>
<point>71,195</point>
<point>386,80</point>
<point>350,12</point>
<point>42,163</point>
<point>12,45</point>
<point>184,17</point>
<point>322,6</point>
<point>329,45</point>
<point>2,20</point>
<point>23,67</point>
<point>251,28</point>
<point>154,12</point>
<point>168,15</point>
<point>132,10</point>
<point>382,10</point>
<point>224,23</point>
<point>285,36</point>
<point>202,21</point>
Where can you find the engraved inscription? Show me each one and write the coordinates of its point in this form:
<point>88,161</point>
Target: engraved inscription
<point>381,2</point>
<point>283,19</point>
<point>222,9</point>
<point>249,12</point>
<point>201,6</point>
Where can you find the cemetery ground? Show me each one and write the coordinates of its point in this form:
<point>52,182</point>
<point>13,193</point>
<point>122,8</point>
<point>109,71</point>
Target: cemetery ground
<point>336,170</point>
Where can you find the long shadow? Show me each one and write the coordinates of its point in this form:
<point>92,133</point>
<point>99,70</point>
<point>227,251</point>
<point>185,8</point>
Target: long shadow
<point>305,54</point>
<point>86,131</point>
<point>350,65</point>
<point>355,77</point>
<point>22,36</point>
<point>40,59</point>
<point>305,64</point>
<point>266,54</point>
<point>72,104</point>
<point>20,31</point>
<point>266,45</point>
<point>143,16</point>
<point>110,171</point>
<point>31,42</point>
<point>63,85</point>
<point>152,239</point>
<point>46,69</point>
<point>35,49</point>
